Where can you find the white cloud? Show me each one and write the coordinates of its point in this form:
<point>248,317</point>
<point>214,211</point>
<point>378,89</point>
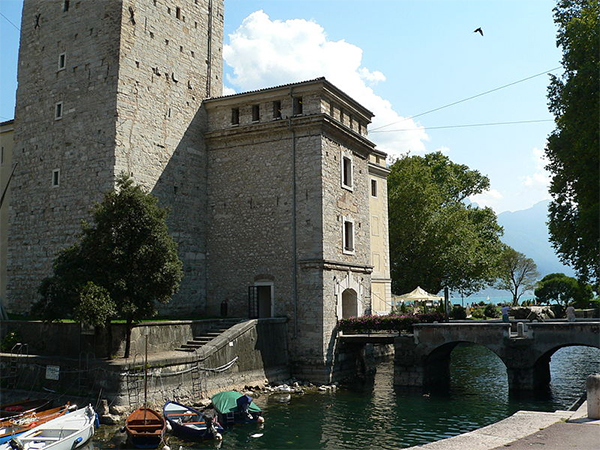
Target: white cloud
<point>264,52</point>
<point>540,179</point>
<point>492,198</point>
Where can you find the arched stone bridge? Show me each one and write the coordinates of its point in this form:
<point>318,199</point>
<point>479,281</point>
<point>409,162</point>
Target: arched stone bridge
<point>424,357</point>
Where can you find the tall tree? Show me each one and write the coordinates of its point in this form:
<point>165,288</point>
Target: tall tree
<point>436,239</point>
<point>563,289</point>
<point>517,274</point>
<point>125,263</point>
<point>572,148</point>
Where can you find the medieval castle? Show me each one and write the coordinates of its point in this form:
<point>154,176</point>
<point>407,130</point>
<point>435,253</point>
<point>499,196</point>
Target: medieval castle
<point>278,198</point>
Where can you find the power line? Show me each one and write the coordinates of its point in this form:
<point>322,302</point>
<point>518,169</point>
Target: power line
<point>467,126</point>
<point>8,20</point>
<point>468,98</point>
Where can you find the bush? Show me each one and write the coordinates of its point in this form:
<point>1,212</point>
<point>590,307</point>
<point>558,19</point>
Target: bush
<point>477,313</point>
<point>491,310</point>
<point>458,313</point>
<point>391,322</point>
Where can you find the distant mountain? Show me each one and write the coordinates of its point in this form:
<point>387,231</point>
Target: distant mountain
<point>526,231</point>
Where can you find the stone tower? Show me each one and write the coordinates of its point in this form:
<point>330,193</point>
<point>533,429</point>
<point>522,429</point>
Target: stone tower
<point>107,87</point>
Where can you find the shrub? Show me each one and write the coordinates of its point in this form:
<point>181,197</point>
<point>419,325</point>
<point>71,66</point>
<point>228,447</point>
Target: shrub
<point>458,312</point>
<point>391,322</point>
<point>491,310</point>
<point>477,313</point>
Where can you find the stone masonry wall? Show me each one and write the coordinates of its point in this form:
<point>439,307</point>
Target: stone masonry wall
<point>76,139</point>
<point>170,60</point>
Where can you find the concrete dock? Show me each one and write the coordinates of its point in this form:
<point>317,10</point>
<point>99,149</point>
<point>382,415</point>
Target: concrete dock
<point>560,430</point>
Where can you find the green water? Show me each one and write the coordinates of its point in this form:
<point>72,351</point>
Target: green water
<point>379,416</point>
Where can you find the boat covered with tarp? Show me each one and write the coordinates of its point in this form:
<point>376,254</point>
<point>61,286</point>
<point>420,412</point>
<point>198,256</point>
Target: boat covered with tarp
<point>233,407</point>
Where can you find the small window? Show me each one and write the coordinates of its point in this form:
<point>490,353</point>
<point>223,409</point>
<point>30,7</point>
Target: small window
<point>373,188</point>
<point>58,111</point>
<point>66,5</point>
<point>2,156</point>
<point>56,177</point>
<point>348,236</point>
<point>235,116</point>
<point>277,109</point>
<point>297,106</point>
<point>255,113</point>
<point>62,61</point>
<point>178,12</point>
<point>346,172</point>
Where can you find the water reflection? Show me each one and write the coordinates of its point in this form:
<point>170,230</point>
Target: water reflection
<point>376,415</point>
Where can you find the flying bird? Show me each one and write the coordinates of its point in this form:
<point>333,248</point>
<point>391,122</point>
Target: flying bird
<point>478,30</point>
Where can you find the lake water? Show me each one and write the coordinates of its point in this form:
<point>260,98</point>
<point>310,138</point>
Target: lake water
<point>379,416</point>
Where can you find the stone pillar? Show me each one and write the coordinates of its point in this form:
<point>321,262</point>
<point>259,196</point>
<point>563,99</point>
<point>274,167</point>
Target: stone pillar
<point>408,368</point>
<point>593,396</point>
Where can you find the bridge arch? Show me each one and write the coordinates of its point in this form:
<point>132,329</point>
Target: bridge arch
<point>424,357</point>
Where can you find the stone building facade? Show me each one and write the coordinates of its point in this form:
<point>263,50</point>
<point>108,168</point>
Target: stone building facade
<point>278,198</point>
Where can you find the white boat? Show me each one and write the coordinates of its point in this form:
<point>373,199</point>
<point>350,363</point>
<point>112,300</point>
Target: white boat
<point>66,432</point>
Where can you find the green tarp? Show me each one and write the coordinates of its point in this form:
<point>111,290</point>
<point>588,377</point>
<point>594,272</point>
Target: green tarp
<point>226,402</point>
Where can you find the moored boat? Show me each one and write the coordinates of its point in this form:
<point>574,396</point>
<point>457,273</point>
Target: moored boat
<point>67,432</point>
<point>189,423</point>
<point>24,406</point>
<point>15,426</point>
<point>233,407</point>
<point>145,428</point>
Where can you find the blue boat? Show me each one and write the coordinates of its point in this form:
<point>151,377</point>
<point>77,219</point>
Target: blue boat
<point>189,423</point>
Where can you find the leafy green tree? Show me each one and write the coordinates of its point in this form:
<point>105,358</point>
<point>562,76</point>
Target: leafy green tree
<point>516,274</point>
<point>436,240</point>
<point>563,289</point>
<point>125,263</point>
<point>572,148</point>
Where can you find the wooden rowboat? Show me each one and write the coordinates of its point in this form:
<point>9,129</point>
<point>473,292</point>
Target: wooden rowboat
<point>67,432</point>
<point>24,406</point>
<point>145,428</point>
<point>189,423</point>
<point>17,425</point>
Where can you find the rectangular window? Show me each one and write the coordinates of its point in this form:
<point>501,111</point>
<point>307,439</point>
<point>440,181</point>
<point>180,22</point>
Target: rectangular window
<point>348,236</point>
<point>373,188</point>
<point>276,109</point>
<point>58,111</point>
<point>2,156</point>
<point>178,12</point>
<point>255,113</point>
<point>56,177</point>
<point>346,172</point>
<point>66,5</point>
<point>235,116</point>
<point>62,61</point>
<point>297,106</point>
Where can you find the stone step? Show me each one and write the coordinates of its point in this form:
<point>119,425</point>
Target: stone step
<point>206,337</point>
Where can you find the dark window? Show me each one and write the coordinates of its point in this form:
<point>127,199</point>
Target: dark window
<point>235,116</point>
<point>297,107</point>
<point>374,188</point>
<point>255,113</point>
<point>277,109</point>
<point>66,5</point>
<point>178,12</point>
<point>62,60</point>
<point>58,112</point>
<point>346,171</point>
<point>56,177</point>
<point>348,236</point>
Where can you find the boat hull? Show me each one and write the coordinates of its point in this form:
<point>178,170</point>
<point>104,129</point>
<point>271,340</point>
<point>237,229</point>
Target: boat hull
<point>188,423</point>
<point>16,426</point>
<point>145,428</point>
<point>229,410</point>
<point>67,432</point>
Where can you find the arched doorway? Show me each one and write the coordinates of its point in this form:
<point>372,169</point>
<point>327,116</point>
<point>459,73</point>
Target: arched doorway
<point>349,303</point>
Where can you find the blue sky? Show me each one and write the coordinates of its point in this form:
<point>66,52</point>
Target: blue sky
<point>400,58</point>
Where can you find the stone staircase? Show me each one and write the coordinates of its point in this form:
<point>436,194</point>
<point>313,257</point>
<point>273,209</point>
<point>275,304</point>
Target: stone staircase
<point>208,335</point>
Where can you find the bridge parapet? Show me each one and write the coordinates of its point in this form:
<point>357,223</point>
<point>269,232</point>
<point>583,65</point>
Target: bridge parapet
<point>424,357</point>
